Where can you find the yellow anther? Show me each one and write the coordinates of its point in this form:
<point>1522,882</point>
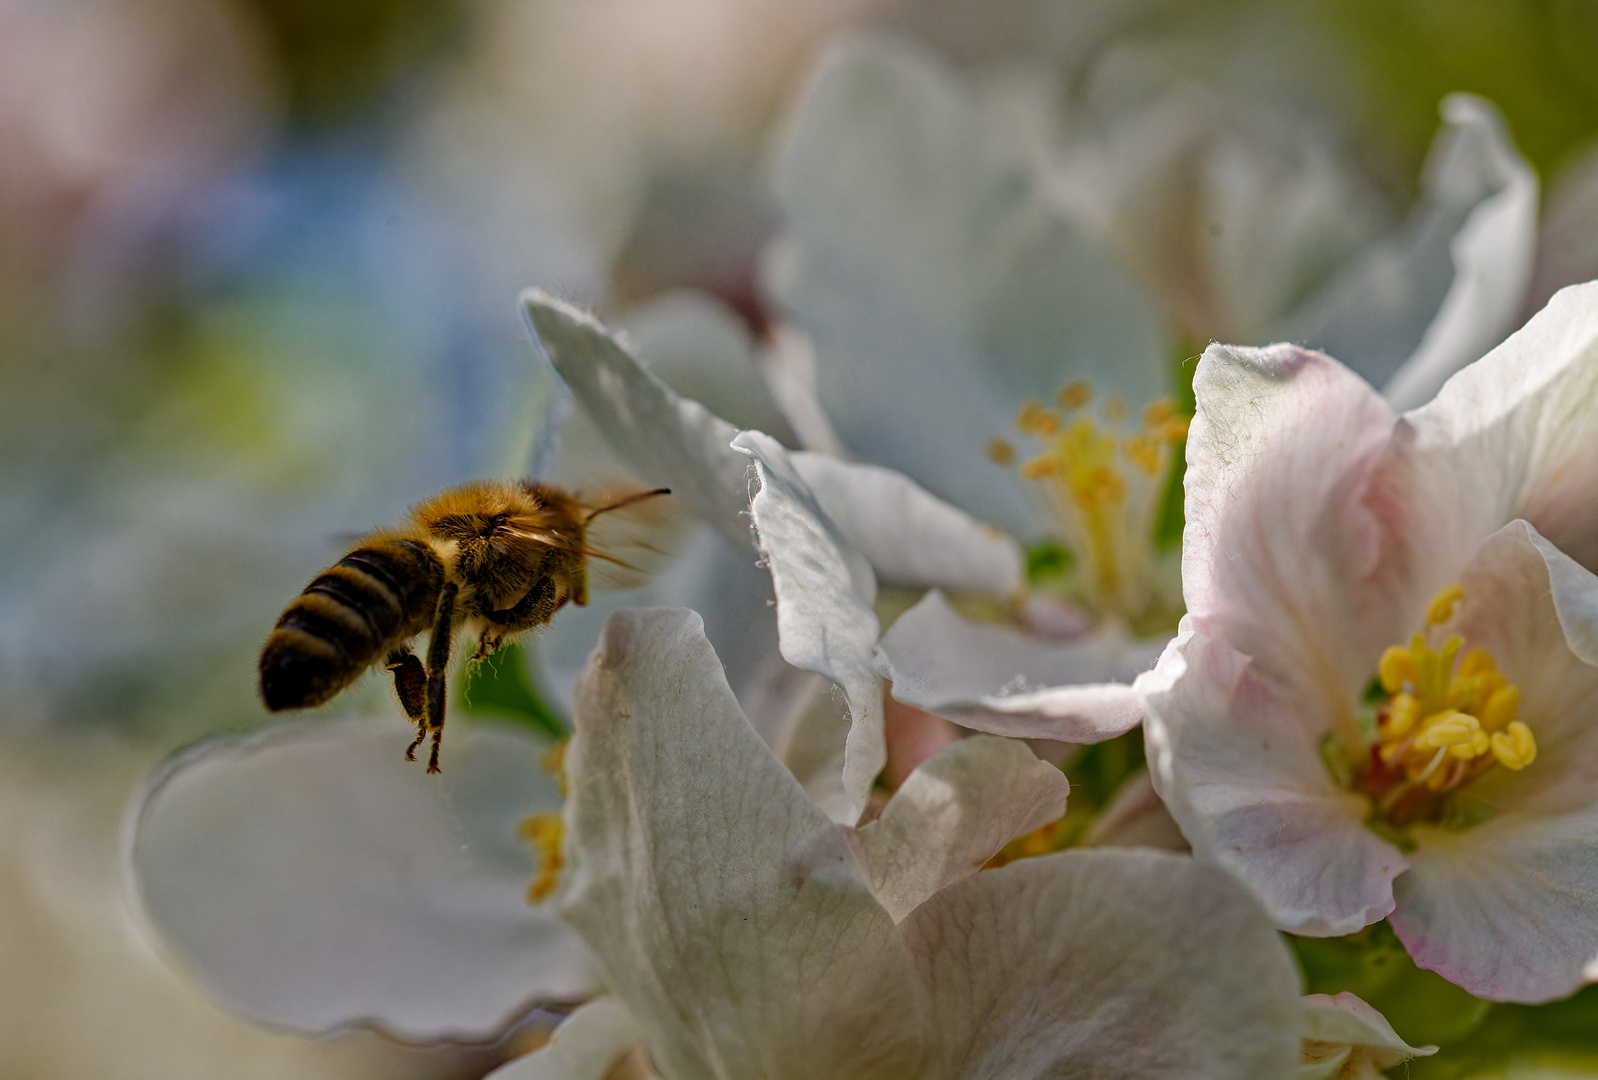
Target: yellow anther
<point>1175,429</point>
<point>554,763</point>
<point>1441,609</point>
<point>1114,410</point>
<point>545,831</point>
<point>1501,709</point>
<point>1476,663</point>
<point>1039,467</point>
<point>1402,712</point>
<point>1447,729</point>
<point>1143,452</point>
<point>1034,419</point>
<point>1515,748</point>
<point>1475,748</point>
<point>1396,667</point>
<point>1158,412</point>
<point>1075,395</point>
<point>1000,452</point>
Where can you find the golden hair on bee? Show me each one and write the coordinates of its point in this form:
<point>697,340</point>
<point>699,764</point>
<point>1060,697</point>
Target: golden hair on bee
<point>490,559</point>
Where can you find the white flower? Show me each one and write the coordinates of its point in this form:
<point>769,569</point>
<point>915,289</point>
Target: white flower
<point>1383,699</point>
<point>1346,1039</point>
<point>747,934</point>
<point>310,879</point>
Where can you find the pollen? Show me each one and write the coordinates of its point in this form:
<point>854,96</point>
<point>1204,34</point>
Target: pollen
<point>545,832</point>
<point>1100,484</point>
<point>1449,715</point>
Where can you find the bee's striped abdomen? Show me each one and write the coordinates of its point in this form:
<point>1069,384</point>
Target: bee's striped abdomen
<point>377,596</point>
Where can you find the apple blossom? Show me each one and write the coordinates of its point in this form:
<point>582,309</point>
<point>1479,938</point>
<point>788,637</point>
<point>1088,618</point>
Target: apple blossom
<point>1381,703</point>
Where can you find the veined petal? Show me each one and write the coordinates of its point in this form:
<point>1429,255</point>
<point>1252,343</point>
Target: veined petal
<point>1105,964</point>
<point>585,1046</point>
<point>920,251</point>
<point>1420,306</point>
<point>725,907</point>
<point>825,589</point>
<point>1346,1039</point>
<point>664,438</point>
<point>953,814</point>
<point>1296,548</point>
<point>1242,776</point>
<point>1515,435</point>
<point>313,879</point>
<point>910,536</point>
<point>1001,680</point>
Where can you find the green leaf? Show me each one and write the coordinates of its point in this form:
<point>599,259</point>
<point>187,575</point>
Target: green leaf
<point>503,686</point>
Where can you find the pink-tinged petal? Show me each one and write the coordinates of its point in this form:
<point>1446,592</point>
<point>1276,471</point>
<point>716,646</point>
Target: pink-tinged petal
<point>1243,778</point>
<point>1491,253</point>
<point>1104,964</point>
<point>1136,817</point>
<point>1530,605</point>
<point>1507,909</point>
<point>1567,243</point>
<point>1296,547</point>
<point>953,814</point>
<point>313,879</point>
<point>825,589</point>
<point>1001,680</point>
<point>913,735</point>
<point>1346,1039</point>
<point>910,536</point>
<point>725,908</point>
<point>664,439</point>
<point>1515,435</point>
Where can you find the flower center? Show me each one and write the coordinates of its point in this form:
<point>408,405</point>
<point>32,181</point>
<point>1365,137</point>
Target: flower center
<point>545,832</point>
<point>1446,716</point>
<point>1100,485</point>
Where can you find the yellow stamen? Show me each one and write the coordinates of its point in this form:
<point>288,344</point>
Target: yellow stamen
<point>1402,712</point>
<point>1075,395</point>
<point>1396,667</point>
<point>554,763</point>
<point>1143,452</point>
<point>1114,410</point>
<point>1441,609</point>
<point>1039,467</point>
<point>545,831</point>
<point>1515,748</point>
<point>1447,729</point>
<point>1034,419</point>
<point>1158,412</point>
<point>1000,452</point>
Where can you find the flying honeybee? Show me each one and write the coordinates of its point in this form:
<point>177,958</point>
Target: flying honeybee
<point>492,559</point>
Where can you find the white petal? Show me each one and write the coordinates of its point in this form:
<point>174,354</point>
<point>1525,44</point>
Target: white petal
<point>1450,285</point>
<point>726,908</point>
<point>664,438</point>
<point>585,1046</point>
<point>701,349</point>
<point>953,814</point>
<point>938,283</point>
<point>1507,909</point>
<point>1515,435</point>
<point>314,879</point>
<point>1242,777</point>
<point>805,721</point>
<point>910,537</point>
<point>1001,680</point>
<point>825,589</point>
<point>1492,256</point>
<point>1344,1018</point>
<point>1293,554</point>
<point>719,579</point>
<point>1105,964</point>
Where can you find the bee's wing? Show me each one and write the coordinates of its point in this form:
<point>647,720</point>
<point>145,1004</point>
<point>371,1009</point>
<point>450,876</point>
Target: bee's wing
<point>629,543</point>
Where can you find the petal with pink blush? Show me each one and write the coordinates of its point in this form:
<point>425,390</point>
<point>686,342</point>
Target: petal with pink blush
<point>1295,551</point>
<point>1001,680</point>
<point>1516,435</point>
<point>1244,780</point>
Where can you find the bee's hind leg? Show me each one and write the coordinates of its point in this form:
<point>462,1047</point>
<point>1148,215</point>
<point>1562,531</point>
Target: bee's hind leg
<point>438,649</point>
<point>410,683</point>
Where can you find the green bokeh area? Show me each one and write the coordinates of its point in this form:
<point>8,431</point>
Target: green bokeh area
<point>1476,1038</point>
<point>503,688</point>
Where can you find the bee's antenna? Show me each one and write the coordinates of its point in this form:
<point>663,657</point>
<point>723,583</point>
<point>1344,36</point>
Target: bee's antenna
<point>638,496</point>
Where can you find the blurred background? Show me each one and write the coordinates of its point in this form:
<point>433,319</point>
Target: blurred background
<point>258,270</point>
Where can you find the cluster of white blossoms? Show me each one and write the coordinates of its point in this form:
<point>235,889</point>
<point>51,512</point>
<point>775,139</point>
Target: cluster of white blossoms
<point>1380,703</point>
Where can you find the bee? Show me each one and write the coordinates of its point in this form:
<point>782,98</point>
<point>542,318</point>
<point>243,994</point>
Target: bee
<point>491,559</point>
